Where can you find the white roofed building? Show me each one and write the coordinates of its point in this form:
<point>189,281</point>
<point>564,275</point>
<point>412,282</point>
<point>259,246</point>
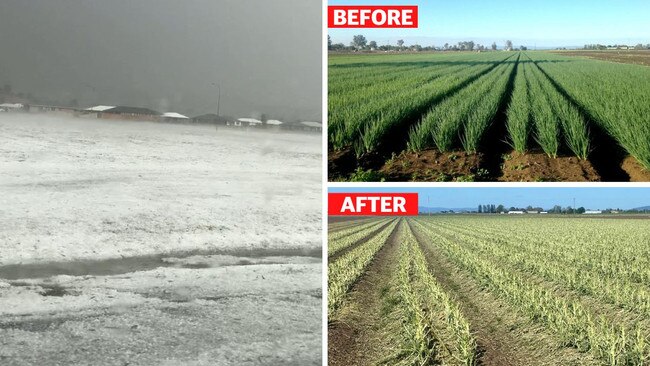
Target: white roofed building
<point>12,106</point>
<point>312,126</point>
<point>174,117</point>
<point>247,122</point>
<point>99,108</point>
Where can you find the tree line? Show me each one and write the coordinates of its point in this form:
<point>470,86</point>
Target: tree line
<point>557,209</point>
<point>360,43</point>
<point>599,46</point>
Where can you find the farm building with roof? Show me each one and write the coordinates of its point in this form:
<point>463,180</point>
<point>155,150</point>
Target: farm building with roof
<point>130,113</point>
<point>174,117</point>
<point>213,119</point>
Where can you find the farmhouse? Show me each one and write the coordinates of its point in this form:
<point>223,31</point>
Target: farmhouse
<point>247,122</point>
<point>312,126</point>
<point>130,113</point>
<point>174,117</point>
<point>12,106</point>
<point>593,212</point>
<point>99,108</point>
<point>273,124</point>
<point>93,112</point>
<point>515,212</point>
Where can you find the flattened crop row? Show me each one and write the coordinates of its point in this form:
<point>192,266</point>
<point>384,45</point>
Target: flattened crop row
<point>344,272</point>
<point>566,317</point>
<point>335,245</point>
<point>437,332</point>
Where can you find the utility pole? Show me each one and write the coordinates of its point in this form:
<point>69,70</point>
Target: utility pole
<point>574,204</point>
<point>218,97</point>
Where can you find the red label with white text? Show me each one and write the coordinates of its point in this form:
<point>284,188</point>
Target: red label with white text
<point>372,204</point>
<point>370,16</point>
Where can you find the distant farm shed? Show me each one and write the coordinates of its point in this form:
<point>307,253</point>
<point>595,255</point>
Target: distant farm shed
<point>214,119</point>
<point>99,108</point>
<point>130,113</point>
<point>12,106</point>
<point>274,124</point>
<point>312,126</point>
<point>247,122</point>
<point>174,117</point>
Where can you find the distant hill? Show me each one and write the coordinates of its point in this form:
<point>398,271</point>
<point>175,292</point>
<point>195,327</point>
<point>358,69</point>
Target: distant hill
<point>441,209</point>
<point>642,208</point>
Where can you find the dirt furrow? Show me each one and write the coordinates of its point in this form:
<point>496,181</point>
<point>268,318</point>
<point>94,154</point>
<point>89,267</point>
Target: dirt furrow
<point>503,337</point>
<point>356,337</point>
<point>494,143</point>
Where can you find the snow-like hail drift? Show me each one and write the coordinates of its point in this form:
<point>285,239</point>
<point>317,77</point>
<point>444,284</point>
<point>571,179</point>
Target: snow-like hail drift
<point>75,188</point>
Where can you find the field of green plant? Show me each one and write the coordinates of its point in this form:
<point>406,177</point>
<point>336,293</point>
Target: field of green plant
<point>383,105</point>
<point>465,290</point>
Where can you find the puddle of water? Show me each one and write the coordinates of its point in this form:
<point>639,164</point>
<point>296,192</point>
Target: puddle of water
<point>54,291</point>
<point>117,266</point>
<point>47,289</point>
<point>220,260</point>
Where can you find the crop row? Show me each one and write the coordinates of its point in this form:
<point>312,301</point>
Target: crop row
<point>520,257</point>
<point>616,96</point>
<point>435,327</point>
<point>380,88</point>
<point>365,123</point>
<point>342,273</point>
<point>470,110</point>
<point>551,111</point>
<point>352,228</point>
<point>559,103</point>
<point>343,240</point>
<point>604,256</point>
<point>336,226</point>
<point>577,324</point>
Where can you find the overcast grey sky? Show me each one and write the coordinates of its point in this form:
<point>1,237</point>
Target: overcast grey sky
<point>165,54</point>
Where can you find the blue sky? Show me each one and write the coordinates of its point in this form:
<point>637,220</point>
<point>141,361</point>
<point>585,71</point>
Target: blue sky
<point>545,197</point>
<point>541,23</point>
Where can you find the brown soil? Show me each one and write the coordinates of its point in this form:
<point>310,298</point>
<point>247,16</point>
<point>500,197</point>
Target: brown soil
<point>431,166</point>
<point>636,172</point>
<point>342,252</point>
<point>639,57</point>
<point>340,164</point>
<point>503,337</point>
<point>537,166</point>
<point>355,337</point>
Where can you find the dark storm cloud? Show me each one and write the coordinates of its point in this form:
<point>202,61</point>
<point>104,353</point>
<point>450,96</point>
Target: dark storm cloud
<point>165,54</point>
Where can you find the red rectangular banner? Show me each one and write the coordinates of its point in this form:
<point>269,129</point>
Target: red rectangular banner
<point>371,16</point>
<point>372,204</point>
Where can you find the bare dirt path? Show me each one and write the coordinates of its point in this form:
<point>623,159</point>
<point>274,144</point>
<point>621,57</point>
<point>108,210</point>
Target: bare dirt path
<point>504,338</point>
<point>355,337</point>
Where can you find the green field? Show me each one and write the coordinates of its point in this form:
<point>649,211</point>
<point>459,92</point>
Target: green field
<point>490,289</point>
<point>488,103</point>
